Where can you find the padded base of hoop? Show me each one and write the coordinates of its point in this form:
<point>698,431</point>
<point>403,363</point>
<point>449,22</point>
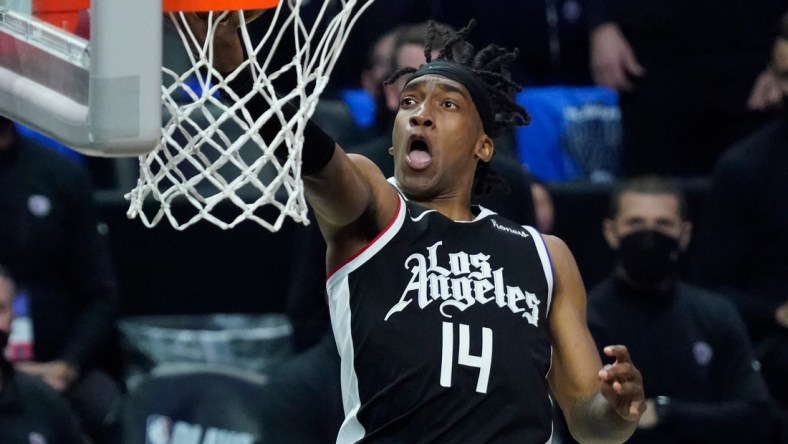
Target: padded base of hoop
<point>215,5</point>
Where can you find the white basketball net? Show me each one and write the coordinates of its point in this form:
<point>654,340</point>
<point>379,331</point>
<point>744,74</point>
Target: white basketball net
<point>211,152</point>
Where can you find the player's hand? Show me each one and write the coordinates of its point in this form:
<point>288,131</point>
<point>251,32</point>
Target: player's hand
<point>613,61</point>
<point>622,384</point>
<point>223,26</point>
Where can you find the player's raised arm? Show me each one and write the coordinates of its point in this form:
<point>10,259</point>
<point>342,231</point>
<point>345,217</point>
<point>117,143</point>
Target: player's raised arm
<point>599,403</point>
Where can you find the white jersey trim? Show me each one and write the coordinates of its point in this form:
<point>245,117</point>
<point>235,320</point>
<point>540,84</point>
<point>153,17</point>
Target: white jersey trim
<point>338,289</point>
<point>351,429</point>
<point>547,265</point>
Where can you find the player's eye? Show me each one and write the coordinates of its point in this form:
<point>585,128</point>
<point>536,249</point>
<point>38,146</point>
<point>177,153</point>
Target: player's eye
<point>406,101</point>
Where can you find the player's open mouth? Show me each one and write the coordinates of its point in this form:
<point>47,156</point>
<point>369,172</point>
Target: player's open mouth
<point>419,156</point>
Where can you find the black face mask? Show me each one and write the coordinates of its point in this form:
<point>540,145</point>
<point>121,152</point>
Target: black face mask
<point>648,257</point>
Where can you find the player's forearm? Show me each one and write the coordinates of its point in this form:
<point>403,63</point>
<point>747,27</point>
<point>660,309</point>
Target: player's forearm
<point>593,420</point>
<point>338,193</point>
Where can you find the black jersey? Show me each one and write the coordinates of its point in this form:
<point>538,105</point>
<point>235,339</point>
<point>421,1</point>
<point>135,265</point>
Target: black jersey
<point>443,333</point>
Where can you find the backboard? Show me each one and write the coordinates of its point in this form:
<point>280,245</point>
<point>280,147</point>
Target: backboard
<point>99,96</point>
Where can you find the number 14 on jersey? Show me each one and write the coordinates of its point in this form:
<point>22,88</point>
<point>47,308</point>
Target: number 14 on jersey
<point>482,361</point>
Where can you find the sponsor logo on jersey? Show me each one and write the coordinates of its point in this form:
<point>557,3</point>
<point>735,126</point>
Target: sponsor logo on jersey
<point>464,281</point>
<point>521,233</point>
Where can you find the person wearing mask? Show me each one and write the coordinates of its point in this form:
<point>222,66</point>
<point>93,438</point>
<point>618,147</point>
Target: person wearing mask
<point>30,410</point>
<point>690,344</point>
<point>49,240</point>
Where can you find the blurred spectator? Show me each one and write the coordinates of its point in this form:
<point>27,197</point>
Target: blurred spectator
<point>699,369</point>
<point>743,242</point>
<point>685,71</point>
<point>49,241</point>
<point>30,411</point>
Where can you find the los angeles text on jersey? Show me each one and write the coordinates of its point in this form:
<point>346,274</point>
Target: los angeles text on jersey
<point>467,279</point>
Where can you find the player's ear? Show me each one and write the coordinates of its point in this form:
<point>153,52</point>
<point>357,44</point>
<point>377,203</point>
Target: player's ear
<point>485,148</point>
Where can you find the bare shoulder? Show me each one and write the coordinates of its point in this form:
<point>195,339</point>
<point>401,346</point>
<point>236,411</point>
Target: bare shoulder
<point>369,171</point>
<point>554,243</point>
<point>363,162</point>
<point>352,202</point>
<point>568,282</point>
<point>384,195</point>
<point>559,252</point>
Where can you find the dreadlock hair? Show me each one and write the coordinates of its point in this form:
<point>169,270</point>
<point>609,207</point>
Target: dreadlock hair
<point>491,66</point>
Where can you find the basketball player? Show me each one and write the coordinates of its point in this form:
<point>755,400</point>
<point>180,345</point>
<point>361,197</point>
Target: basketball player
<point>453,323</point>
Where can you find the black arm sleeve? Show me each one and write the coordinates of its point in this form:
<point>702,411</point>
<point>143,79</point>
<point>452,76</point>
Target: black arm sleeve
<point>320,145</point>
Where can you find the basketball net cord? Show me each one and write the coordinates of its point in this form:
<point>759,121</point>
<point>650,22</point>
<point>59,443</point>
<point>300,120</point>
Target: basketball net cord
<point>211,150</point>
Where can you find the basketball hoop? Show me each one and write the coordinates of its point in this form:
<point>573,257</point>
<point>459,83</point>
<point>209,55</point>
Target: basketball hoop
<point>211,151</point>
<point>214,5</point>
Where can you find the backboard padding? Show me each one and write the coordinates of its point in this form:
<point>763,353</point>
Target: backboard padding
<point>100,97</point>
